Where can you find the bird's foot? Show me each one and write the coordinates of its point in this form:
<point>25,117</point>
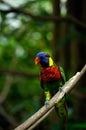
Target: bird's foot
<point>61,90</point>
<point>46,103</point>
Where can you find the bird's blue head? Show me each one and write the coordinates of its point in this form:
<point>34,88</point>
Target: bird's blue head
<point>44,59</point>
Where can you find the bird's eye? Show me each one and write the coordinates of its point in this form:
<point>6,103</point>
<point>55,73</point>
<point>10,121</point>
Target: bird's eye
<point>46,55</point>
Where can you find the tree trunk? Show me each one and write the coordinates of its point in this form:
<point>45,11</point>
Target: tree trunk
<point>59,32</point>
<point>77,8</point>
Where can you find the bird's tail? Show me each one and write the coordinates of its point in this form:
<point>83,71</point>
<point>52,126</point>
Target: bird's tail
<point>61,109</point>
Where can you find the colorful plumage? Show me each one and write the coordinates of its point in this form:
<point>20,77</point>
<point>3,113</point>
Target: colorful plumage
<point>52,78</point>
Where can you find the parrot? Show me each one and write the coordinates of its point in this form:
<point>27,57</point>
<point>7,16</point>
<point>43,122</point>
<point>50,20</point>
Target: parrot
<point>52,78</point>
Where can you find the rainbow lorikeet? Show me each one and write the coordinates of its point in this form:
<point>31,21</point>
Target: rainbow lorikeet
<point>52,78</point>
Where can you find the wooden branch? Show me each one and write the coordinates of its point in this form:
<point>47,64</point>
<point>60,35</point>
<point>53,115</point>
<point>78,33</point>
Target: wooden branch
<point>44,18</point>
<point>44,111</point>
<point>41,119</point>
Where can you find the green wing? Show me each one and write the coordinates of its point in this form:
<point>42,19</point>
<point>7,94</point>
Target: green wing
<point>62,73</point>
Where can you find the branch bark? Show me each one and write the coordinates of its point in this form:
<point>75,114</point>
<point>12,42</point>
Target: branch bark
<point>44,111</point>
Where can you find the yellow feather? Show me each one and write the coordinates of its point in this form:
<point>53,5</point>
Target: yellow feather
<point>47,95</point>
<point>50,61</point>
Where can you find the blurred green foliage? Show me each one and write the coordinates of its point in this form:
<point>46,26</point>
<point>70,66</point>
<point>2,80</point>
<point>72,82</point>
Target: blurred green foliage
<point>20,39</point>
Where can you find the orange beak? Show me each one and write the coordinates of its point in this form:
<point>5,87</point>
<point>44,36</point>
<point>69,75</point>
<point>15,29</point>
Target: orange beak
<point>37,60</point>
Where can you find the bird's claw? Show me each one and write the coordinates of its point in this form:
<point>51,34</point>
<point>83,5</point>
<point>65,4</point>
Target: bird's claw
<point>46,103</point>
<point>60,89</point>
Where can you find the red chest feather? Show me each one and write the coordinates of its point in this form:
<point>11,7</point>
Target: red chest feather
<point>50,74</point>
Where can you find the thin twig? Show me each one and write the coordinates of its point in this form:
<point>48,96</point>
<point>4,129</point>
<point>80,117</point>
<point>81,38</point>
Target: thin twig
<point>69,85</point>
<point>41,119</point>
<point>18,73</point>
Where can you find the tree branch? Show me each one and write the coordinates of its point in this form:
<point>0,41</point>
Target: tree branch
<point>69,18</point>
<point>18,73</point>
<point>41,119</point>
<point>44,111</point>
